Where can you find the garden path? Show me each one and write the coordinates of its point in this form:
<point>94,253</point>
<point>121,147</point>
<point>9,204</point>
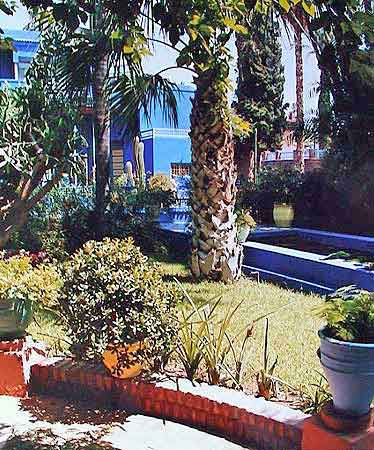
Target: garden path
<point>50,424</point>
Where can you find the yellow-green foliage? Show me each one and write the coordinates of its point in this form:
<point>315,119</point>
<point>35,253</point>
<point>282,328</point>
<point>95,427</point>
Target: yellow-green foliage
<point>349,313</point>
<point>161,182</point>
<point>39,284</point>
<point>244,218</point>
<point>113,295</point>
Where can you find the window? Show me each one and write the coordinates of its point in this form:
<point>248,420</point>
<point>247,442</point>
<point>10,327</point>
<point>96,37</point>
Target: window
<point>180,169</point>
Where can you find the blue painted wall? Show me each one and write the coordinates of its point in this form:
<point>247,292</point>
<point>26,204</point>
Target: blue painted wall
<point>25,44</point>
<point>169,150</point>
<point>167,146</point>
<point>183,96</point>
<point>6,64</point>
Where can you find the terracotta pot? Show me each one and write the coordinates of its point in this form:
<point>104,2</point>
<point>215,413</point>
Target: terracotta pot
<point>122,362</point>
<point>15,317</point>
<point>283,215</point>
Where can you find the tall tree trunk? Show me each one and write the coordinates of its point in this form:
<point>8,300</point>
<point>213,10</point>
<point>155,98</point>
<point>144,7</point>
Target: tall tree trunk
<point>216,253</point>
<point>324,109</point>
<point>102,140</point>
<point>15,215</point>
<point>299,152</point>
<point>13,222</point>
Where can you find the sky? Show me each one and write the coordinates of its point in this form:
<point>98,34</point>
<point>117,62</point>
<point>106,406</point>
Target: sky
<point>165,57</point>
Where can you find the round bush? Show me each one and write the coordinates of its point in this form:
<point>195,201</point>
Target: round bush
<point>113,295</point>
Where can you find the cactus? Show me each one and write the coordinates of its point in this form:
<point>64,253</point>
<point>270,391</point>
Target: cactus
<point>129,174</point>
<point>138,149</point>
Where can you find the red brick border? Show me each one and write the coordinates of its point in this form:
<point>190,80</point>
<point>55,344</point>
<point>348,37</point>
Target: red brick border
<point>273,429</point>
<point>16,360</point>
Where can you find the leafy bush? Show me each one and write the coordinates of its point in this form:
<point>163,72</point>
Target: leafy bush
<point>113,295</point>
<point>245,219</point>
<point>21,280</point>
<point>59,224</point>
<point>281,184</point>
<point>349,313</point>
<point>274,185</point>
<point>161,190</point>
<point>335,199</point>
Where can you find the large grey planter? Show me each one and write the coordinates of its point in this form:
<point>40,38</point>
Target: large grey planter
<point>349,369</point>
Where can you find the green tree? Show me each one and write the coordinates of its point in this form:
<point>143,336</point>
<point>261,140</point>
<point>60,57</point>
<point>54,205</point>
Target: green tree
<point>342,36</point>
<point>260,84</point>
<point>38,138</point>
<point>209,26</point>
<point>103,63</point>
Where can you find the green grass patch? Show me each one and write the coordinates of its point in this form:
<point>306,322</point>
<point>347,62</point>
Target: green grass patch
<point>292,329</point>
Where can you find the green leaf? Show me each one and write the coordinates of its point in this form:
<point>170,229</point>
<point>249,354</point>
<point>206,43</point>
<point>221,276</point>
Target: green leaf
<point>117,34</point>
<point>230,23</point>
<point>193,34</point>
<point>195,19</point>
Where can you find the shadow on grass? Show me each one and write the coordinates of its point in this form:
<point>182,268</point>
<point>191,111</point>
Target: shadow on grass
<point>68,412</point>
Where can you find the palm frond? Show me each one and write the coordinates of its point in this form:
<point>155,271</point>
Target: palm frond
<point>144,92</point>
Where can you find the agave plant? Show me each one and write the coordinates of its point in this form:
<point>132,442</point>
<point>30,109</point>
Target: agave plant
<point>265,377</point>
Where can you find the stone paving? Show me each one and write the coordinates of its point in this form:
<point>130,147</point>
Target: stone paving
<point>57,422</point>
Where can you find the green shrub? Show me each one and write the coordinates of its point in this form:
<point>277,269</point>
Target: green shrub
<point>20,280</point>
<point>349,313</point>
<point>274,185</point>
<point>59,224</point>
<point>113,295</point>
<point>281,184</point>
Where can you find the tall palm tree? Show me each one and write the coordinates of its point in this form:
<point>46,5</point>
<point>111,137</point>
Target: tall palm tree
<point>299,151</point>
<point>95,64</point>
<point>215,251</point>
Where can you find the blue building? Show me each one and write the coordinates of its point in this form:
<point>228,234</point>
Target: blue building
<point>166,150</point>
<point>14,64</point>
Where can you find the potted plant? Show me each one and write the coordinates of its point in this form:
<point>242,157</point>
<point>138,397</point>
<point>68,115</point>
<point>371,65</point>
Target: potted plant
<point>161,194</point>
<point>245,224</point>
<point>116,307</point>
<point>23,288</point>
<point>281,186</point>
<point>347,349</point>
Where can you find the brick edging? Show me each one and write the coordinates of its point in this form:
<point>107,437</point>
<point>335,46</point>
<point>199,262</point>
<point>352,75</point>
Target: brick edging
<point>80,380</point>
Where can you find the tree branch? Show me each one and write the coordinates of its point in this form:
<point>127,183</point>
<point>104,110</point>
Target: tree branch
<point>45,189</point>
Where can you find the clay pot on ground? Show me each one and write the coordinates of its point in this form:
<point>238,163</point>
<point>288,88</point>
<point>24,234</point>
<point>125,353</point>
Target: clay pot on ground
<point>124,361</point>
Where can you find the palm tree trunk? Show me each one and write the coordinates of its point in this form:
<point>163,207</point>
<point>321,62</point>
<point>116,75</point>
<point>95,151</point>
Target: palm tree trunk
<point>216,253</point>
<point>102,139</point>
<point>324,110</point>
<point>299,152</point>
